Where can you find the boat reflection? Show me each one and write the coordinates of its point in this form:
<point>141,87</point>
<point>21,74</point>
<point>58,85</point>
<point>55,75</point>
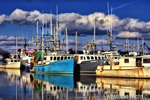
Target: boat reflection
<point>42,86</point>
<point>125,88</point>
<point>54,86</point>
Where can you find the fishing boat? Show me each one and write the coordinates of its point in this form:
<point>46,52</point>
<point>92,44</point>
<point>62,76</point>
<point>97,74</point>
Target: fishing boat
<point>129,66</point>
<point>65,66</point>
<point>13,63</point>
<point>88,63</point>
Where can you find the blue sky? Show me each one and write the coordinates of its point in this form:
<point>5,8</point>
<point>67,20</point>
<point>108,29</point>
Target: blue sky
<point>130,20</point>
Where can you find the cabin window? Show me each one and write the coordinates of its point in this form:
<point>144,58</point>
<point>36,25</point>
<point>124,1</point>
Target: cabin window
<point>126,60</point>
<point>95,58</point>
<point>54,58</point>
<point>146,60</point>
<point>88,57</point>
<point>61,58</point>
<point>45,58</point>
<point>15,60</point>
<point>50,88</point>
<point>11,60</point>
<point>58,58</point>
<point>65,58</point>
<point>81,58</point>
<point>51,58</point>
<point>84,57</point>
<point>18,60</point>
<point>68,57</point>
<point>99,58</point>
<point>76,57</point>
<point>92,57</point>
<point>26,54</point>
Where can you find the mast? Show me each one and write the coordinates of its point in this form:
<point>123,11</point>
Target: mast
<point>57,35</point>
<point>51,27</point>
<point>76,41</point>
<point>16,47</point>
<point>42,36</point>
<point>94,29</point>
<point>37,34</point>
<point>54,39</point>
<point>109,37</point>
<point>138,46</point>
<point>66,40</point>
<point>33,41</point>
<point>42,41</point>
<point>143,44</point>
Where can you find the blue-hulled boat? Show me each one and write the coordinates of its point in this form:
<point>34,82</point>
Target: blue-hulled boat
<point>58,67</point>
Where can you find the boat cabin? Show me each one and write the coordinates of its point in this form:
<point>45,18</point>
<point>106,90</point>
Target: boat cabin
<point>53,58</point>
<point>130,61</point>
<point>146,61</point>
<point>84,57</point>
<point>12,60</point>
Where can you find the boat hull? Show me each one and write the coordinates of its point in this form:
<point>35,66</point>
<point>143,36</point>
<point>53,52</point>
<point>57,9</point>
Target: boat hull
<point>59,67</point>
<point>14,65</point>
<point>138,72</point>
<point>88,66</point>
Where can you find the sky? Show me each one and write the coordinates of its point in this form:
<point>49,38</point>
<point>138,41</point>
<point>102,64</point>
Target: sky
<point>129,19</point>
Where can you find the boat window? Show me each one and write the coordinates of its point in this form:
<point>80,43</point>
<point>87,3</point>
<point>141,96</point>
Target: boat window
<point>88,57</point>
<point>50,88</point>
<point>51,58</point>
<point>126,60</point>
<point>84,57</point>
<point>99,58</point>
<point>26,54</point>
<point>58,58</point>
<point>11,60</point>
<point>95,58</point>
<point>146,60</point>
<point>44,58</point>
<point>76,57</point>
<point>92,57</point>
<point>68,57</point>
<point>54,87</point>
<point>61,58</point>
<point>81,58</point>
<point>18,60</point>
<point>54,58</point>
<point>15,60</point>
<point>65,58</point>
<point>58,88</point>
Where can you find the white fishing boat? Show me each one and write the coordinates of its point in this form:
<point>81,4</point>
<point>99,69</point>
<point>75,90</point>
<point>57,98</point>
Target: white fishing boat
<point>13,63</point>
<point>129,66</point>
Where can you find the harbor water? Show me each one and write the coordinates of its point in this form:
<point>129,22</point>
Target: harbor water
<point>19,85</point>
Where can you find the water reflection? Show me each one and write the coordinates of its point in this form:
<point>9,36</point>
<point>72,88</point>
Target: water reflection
<point>16,84</point>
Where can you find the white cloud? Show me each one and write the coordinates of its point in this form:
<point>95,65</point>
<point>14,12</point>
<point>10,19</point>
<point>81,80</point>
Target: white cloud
<point>83,23</point>
<point>127,34</point>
